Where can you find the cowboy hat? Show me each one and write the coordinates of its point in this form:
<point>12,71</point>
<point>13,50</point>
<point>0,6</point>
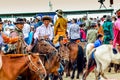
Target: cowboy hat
<point>59,12</point>
<point>19,21</point>
<point>46,18</point>
<point>1,21</point>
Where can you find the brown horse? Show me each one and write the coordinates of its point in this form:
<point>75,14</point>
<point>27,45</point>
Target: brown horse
<point>43,47</point>
<point>64,54</point>
<point>15,64</point>
<point>49,56</point>
<point>76,59</point>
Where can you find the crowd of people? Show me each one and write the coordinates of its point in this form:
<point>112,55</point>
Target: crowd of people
<point>105,30</point>
<point>83,29</point>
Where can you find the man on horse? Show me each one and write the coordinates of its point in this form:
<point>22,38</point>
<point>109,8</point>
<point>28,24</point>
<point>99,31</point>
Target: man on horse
<point>45,31</point>
<point>15,42</point>
<point>116,32</point>
<point>108,30</point>
<point>60,27</point>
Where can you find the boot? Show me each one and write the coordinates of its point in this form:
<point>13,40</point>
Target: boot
<point>114,51</point>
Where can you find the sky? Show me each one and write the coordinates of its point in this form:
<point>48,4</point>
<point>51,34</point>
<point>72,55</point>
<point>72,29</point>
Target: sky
<point>23,6</point>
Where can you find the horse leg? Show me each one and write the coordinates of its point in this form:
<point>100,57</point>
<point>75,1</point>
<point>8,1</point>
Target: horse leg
<point>73,74</point>
<point>109,68</point>
<point>103,76</point>
<point>68,70</point>
<point>55,77</point>
<point>97,75</point>
<point>74,68</point>
<point>85,74</point>
<point>46,78</point>
<point>78,73</point>
<point>115,68</point>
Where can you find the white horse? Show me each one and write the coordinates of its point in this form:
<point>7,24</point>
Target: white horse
<point>89,48</point>
<point>103,57</point>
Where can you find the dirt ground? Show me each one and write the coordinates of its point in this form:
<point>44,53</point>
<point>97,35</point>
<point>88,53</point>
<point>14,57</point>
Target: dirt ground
<point>110,75</point>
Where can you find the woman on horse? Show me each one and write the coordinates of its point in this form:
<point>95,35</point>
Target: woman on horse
<point>116,32</point>
<point>74,31</point>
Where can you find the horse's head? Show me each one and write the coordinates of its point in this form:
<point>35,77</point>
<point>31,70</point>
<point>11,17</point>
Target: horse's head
<point>45,47</point>
<point>51,62</point>
<point>64,54</point>
<point>36,65</point>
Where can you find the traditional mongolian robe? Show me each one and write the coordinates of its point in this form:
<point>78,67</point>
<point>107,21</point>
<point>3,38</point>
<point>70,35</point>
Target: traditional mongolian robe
<point>108,31</point>
<point>60,29</point>
<point>116,33</point>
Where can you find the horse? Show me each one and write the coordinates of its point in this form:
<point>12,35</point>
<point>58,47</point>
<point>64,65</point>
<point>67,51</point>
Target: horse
<point>76,59</point>
<point>64,54</point>
<point>49,56</point>
<point>103,56</point>
<point>16,64</point>
<point>43,47</point>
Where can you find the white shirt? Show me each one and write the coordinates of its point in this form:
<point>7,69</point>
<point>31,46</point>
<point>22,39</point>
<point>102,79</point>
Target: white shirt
<point>26,30</point>
<point>43,31</point>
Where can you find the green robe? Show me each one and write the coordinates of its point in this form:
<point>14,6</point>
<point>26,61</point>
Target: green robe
<point>108,31</point>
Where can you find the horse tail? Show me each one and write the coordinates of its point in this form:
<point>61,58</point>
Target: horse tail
<point>91,61</point>
<point>80,59</point>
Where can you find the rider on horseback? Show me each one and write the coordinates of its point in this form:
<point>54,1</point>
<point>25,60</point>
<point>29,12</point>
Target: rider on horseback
<point>74,32</point>
<point>60,28</point>
<point>116,32</point>
<point>15,42</point>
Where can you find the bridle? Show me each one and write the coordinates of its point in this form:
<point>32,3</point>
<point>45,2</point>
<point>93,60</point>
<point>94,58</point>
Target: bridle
<point>48,58</point>
<point>37,68</point>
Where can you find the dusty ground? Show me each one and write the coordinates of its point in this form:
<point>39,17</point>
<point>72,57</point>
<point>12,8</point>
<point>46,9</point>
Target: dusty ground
<point>111,76</point>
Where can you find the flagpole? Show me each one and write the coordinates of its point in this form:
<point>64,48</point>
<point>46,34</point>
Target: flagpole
<point>50,6</point>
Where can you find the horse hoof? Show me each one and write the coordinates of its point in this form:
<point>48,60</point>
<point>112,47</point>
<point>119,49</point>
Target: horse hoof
<point>67,76</point>
<point>77,77</point>
<point>72,77</point>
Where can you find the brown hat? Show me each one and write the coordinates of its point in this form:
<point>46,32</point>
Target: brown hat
<point>19,21</point>
<point>46,18</point>
<point>1,21</point>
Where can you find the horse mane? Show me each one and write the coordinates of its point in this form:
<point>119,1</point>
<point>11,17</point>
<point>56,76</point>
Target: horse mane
<point>15,55</point>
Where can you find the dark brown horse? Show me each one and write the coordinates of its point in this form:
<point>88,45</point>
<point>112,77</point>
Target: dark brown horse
<point>49,56</point>
<point>15,64</point>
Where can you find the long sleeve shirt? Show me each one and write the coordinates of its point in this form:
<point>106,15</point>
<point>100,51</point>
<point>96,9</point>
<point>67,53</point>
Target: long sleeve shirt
<point>44,31</point>
<point>91,35</point>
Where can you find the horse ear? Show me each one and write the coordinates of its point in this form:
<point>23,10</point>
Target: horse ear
<point>40,38</point>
